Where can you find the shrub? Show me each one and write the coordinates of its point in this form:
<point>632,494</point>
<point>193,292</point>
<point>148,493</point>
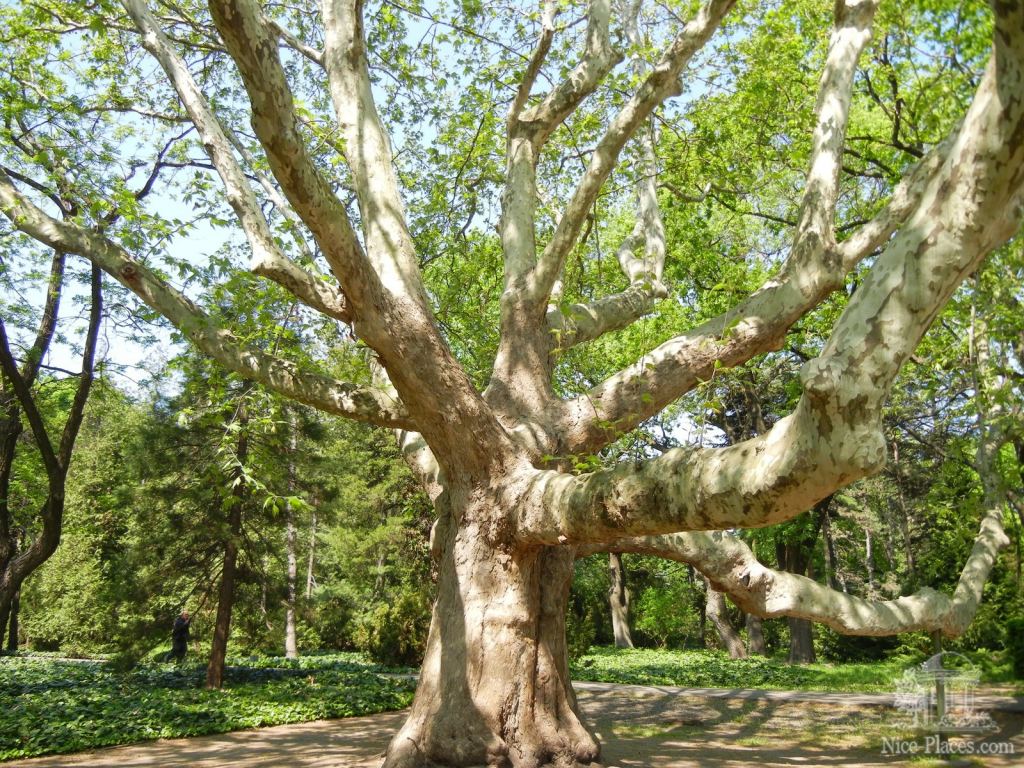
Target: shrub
<point>579,634</point>
<point>395,634</point>
<point>1015,645</point>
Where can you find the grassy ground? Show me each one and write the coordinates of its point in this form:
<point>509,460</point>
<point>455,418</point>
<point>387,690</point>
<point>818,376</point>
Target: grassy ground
<point>714,669</point>
<point>53,706</point>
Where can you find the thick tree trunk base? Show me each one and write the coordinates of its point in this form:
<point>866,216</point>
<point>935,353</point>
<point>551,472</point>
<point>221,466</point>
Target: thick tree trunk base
<point>494,689</point>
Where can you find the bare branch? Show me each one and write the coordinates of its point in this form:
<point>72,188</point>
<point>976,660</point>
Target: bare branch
<point>47,323</point>
<point>579,323</point>
<point>756,325</point>
<point>547,34</point>
<point>252,44</point>
<point>314,55</point>
<point>389,245</point>
<point>834,435</point>
<point>359,403</point>
<point>905,198</point>
<point>816,220</point>
<point>658,86</point>
<point>597,61</point>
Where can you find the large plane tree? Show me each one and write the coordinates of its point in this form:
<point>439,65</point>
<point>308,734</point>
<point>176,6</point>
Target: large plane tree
<point>292,113</point>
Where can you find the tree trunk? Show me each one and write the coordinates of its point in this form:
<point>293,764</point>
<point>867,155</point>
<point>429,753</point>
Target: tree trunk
<point>12,632</point>
<point>312,552</point>
<point>717,612</point>
<point>291,647</point>
<point>226,595</point>
<point>801,641</point>
<point>755,636</point>
<point>494,688</point>
<point>618,598</point>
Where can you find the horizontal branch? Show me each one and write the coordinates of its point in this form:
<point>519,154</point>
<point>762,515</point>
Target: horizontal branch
<point>970,207</point>
<point>762,481</point>
<point>732,568</point>
<point>579,323</point>
<point>322,392</point>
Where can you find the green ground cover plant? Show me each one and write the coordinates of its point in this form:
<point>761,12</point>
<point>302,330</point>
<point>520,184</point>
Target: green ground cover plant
<point>714,669</point>
<point>57,706</point>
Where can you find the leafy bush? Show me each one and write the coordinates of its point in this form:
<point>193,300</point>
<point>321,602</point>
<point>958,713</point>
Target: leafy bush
<point>396,633</point>
<point>662,615</point>
<point>58,706</point>
<point>1015,645</point>
<point>579,634</point>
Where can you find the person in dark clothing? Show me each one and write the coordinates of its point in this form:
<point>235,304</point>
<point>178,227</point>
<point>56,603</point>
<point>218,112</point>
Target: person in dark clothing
<point>179,637</point>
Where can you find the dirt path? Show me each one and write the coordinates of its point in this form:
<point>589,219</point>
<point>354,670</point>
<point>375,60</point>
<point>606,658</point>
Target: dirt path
<point>639,727</point>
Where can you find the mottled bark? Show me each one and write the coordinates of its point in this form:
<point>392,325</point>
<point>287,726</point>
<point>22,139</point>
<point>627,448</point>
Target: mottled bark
<point>291,647</point>
<point>494,688</point>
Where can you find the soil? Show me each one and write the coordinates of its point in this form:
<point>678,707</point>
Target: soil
<point>639,728</point>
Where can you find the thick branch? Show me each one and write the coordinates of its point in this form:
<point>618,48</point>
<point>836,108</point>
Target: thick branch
<point>267,258</point>
<point>359,403</point>
<point>386,235</point>
<point>816,221</point>
<point>732,568</point>
<point>756,325</point>
<point>833,437</point>
<point>578,323</point>
<point>597,61</point>
<point>547,34</point>
<point>252,44</point>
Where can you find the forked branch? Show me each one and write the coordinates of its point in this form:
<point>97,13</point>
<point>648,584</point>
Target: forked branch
<point>267,258</point>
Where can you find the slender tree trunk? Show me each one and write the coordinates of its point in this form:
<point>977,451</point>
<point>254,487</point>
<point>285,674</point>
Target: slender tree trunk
<point>291,647</point>
<point>869,558</point>
<point>618,598</point>
<point>12,632</point>
<point>755,636</point>
<point>717,612</point>
<point>226,595</point>
<point>904,515</point>
<point>312,551</point>
<point>795,557</point>
<point>494,688</point>
<point>5,614</point>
